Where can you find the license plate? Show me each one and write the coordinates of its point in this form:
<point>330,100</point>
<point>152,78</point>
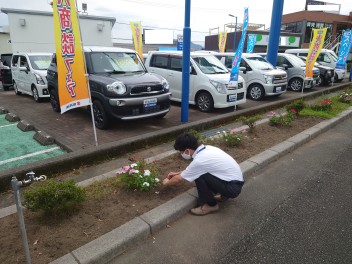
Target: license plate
<point>232,98</point>
<point>149,102</point>
<point>278,89</point>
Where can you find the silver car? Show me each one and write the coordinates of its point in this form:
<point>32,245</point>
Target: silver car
<point>296,72</point>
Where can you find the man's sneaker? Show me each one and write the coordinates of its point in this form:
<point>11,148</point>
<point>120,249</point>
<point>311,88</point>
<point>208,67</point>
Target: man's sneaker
<point>205,209</point>
<point>219,198</point>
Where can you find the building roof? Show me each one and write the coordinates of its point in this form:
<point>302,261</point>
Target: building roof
<point>45,13</point>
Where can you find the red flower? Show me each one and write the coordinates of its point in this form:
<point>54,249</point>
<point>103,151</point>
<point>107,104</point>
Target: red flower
<point>292,111</point>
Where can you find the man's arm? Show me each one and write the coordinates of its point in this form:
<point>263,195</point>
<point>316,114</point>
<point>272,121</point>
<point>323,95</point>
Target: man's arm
<point>173,179</point>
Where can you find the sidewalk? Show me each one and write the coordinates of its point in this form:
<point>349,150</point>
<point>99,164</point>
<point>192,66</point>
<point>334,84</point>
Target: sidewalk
<point>114,243</point>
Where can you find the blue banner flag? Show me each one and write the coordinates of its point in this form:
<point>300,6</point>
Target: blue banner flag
<point>252,39</point>
<point>344,50</point>
<point>237,58</point>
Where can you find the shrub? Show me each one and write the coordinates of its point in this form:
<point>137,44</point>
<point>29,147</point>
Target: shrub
<point>297,106</point>
<point>280,119</point>
<point>201,139</point>
<point>54,197</point>
<point>250,121</point>
<point>136,176</point>
<point>231,137</point>
<point>325,105</point>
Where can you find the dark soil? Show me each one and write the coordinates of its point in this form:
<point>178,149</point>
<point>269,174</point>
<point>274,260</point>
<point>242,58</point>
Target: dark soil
<point>112,205</point>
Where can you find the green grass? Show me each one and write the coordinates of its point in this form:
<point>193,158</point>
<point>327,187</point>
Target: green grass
<point>337,108</point>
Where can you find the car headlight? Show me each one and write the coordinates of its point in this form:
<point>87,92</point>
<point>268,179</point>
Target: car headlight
<point>220,87</point>
<point>268,79</point>
<point>117,87</point>
<point>39,79</point>
<point>165,84</point>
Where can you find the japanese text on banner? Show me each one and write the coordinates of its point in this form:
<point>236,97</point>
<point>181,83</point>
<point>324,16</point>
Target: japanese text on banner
<point>314,49</point>
<point>344,50</point>
<point>136,28</point>
<point>72,81</point>
<point>238,55</point>
<point>222,41</point>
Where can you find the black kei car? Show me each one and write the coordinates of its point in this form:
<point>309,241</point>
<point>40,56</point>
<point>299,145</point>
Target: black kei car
<point>120,86</point>
<point>326,73</point>
<point>5,70</point>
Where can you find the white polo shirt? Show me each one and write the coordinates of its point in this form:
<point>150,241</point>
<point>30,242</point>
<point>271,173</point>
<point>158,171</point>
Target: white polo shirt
<point>209,159</point>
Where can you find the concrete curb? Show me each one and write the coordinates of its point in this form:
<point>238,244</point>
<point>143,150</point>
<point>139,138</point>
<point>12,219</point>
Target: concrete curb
<point>112,244</point>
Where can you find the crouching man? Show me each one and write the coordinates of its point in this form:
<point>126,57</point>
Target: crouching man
<point>216,174</point>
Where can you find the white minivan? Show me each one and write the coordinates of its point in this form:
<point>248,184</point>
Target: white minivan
<point>209,79</point>
<point>326,57</point>
<point>29,74</point>
<point>261,77</point>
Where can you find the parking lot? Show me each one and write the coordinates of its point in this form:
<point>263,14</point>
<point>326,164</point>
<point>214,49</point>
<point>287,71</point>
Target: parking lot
<point>18,147</point>
<point>74,130</point>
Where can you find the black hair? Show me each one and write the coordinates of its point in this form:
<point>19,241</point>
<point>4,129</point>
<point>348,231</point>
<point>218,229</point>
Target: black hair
<point>186,141</point>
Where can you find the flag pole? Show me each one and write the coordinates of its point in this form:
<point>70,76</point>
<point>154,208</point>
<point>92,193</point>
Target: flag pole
<point>87,79</point>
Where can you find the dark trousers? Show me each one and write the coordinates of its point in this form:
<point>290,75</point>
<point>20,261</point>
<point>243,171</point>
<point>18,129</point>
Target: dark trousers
<point>208,185</point>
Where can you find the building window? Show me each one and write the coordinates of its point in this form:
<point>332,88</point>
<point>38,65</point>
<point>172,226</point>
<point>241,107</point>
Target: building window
<point>313,25</point>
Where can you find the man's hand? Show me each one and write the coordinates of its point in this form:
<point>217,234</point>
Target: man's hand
<point>172,179</point>
<point>166,181</point>
<point>172,174</point>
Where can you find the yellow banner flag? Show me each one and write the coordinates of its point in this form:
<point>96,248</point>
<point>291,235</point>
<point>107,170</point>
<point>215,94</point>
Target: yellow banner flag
<point>222,41</point>
<point>314,49</point>
<point>72,80</point>
<point>136,28</point>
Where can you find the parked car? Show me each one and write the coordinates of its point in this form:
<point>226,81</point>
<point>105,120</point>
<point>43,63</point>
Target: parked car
<point>5,70</point>
<point>296,71</point>
<point>29,74</point>
<point>326,72</point>
<point>209,79</point>
<point>120,86</point>
<point>326,57</point>
<point>261,78</point>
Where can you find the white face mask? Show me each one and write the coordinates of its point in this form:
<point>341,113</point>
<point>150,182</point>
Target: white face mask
<point>186,156</point>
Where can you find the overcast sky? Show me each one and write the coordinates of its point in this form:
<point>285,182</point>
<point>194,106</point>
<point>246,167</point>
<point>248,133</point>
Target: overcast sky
<point>169,14</point>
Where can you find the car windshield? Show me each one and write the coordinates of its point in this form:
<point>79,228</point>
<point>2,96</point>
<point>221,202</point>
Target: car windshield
<point>40,62</point>
<point>334,56</point>
<point>116,62</point>
<point>259,63</point>
<point>295,60</point>
<point>209,64</point>
<point>305,58</point>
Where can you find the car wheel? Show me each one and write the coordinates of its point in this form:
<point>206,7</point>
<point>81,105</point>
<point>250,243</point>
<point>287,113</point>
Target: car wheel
<point>35,94</point>
<point>296,84</point>
<point>101,118</point>
<point>15,88</point>
<point>256,92</point>
<point>205,102</point>
<point>54,101</point>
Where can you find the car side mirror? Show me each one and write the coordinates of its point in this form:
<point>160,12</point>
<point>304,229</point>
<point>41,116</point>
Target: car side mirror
<point>243,69</point>
<point>24,68</point>
<point>283,66</point>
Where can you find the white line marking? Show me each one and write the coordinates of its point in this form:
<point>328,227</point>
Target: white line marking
<point>29,155</point>
<point>8,125</point>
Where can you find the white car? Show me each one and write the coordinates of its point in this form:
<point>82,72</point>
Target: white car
<point>260,76</point>
<point>29,72</point>
<point>326,57</point>
<point>209,79</point>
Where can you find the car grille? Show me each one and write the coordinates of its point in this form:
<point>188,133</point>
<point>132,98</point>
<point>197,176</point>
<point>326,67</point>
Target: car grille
<point>280,78</point>
<point>240,96</point>
<point>240,86</point>
<point>146,89</point>
<point>315,74</point>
